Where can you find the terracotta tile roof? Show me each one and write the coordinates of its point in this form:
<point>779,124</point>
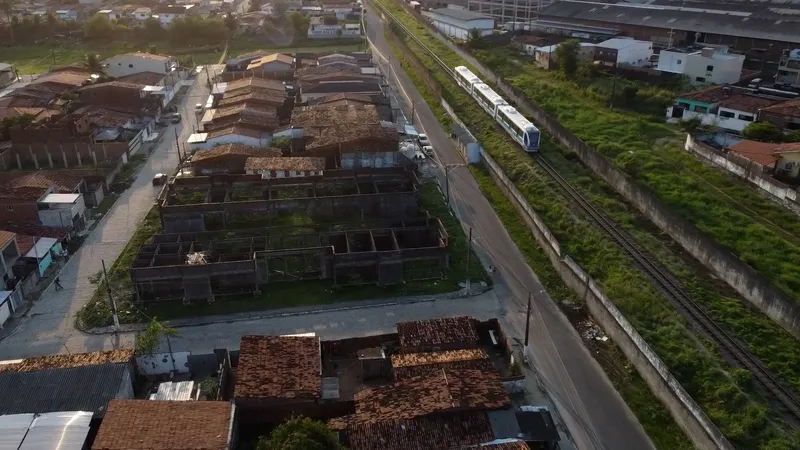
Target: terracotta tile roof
<point>256,63</point>
<point>255,82</point>
<point>455,330</point>
<point>253,95</point>
<point>407,365</point>
<point>115,84</point>
<point>279,367</point>
<point>374,137</point>
<point>763,153</point>
<point>106,117</point>
<point>423,433</point>
<point>15,111</point>
<point>233,149</point>
<point>25,244</point>
<point>445,391</point>
<point>164,425</point>
<point>284,163</point>
<point>790,108</point>
<point>243,131</point>
<point>65,78</point>
<point>792,147</point>
<point>748,103</point>
<point>32,186</point>
<point>33,229</point>
<point>247,109</point>
<point>71,360</point>
<point>6,237</point>
<point>143,78</point>
<point>327,115</point>
<point>314,70</point>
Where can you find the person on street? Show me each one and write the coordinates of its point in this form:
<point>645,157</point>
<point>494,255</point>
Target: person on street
<point>58,284</point>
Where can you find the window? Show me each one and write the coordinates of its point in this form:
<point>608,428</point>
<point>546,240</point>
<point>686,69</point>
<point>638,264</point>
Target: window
<point>684,105</point>
<point>679,62</point>
<point>9,208</point>
<point>130,65</point>
<point>727,114</point>
<point>745,117</point>
<point>701,109</point>
<point>709,68</point>
<point>700,79</point>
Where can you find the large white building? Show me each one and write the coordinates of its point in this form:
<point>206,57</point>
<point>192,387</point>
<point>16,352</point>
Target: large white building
<point>624,51</point>
<point>703,66</point>
<point>457,22</point>
<point>138,62</point>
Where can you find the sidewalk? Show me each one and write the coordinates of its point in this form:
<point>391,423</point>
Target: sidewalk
<point>476,290</point>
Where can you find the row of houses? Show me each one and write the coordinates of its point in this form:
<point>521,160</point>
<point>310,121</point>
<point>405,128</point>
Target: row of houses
<point>441,383</point>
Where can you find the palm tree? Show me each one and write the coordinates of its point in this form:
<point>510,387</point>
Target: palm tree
<point>5,5</point>
<point>52,22</point>
<point>93,61</point>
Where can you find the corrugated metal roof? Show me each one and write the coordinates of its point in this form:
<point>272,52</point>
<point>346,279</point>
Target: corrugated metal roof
<point>181,391</point>
<point>86,388</point>
<point>58,430</point>
<point>13,429</point>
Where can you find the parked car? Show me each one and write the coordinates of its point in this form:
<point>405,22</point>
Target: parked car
<point>198,108</point>
<point>428,150</point>
<point>423,140</point>
<point>159,179</point>
<point>175,118</point>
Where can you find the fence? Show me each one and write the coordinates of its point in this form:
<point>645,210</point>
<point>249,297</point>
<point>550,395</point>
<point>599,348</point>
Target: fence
<point>750,284</point>
<point>746,169</point>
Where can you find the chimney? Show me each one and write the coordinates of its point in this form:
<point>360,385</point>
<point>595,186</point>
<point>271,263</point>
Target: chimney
<point>707,52</point>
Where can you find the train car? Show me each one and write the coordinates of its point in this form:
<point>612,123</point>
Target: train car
<point>521,129</point>
<point>466,78</point>
<point>487,98</point>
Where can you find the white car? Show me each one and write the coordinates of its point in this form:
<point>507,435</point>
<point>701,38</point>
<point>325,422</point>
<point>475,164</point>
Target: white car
<point>423,140</point>
<point>428,150</point>
<point>198,108</point>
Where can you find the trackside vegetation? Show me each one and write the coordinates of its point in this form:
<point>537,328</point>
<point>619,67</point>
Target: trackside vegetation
<point>726,394</point>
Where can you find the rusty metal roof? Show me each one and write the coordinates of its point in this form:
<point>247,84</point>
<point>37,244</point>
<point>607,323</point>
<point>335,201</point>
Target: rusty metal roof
<point>279,367</point>
<point>407,365</point>
<point>70,360</point>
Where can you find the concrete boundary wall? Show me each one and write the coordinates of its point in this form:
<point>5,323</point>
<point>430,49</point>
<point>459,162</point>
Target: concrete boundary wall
<point>688,414</point>
<point>748,282</point>
<point>745,169</point>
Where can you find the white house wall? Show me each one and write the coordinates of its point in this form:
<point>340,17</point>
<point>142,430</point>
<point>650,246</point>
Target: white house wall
<point>123,65</point>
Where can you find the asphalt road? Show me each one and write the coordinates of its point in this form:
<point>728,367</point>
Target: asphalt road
<point>594,412</point>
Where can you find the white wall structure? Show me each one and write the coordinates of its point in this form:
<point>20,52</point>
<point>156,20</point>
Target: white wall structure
<point>131,63</point>
<point>457,22</point>
<point>61,210</point>
<point>163,363</point>
<point>702,66</point>
<point>629,51</point>
<point>726,118</point>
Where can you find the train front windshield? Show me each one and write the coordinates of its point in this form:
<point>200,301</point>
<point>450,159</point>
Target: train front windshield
<point>532,140</point>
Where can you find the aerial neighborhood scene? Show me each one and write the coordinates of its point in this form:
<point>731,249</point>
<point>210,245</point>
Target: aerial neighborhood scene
<point>400,225</point>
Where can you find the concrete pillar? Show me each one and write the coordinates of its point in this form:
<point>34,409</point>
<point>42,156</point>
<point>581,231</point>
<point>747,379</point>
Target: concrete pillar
<point>33,157</point>
<point>19,161</point>
<point>105,155</point>
<point>94,157</point>
<point>64,157</point>
<point>78,155</point>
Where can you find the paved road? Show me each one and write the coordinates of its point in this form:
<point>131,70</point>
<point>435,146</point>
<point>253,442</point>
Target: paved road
<point>49,327</point>
<point>592,409</point>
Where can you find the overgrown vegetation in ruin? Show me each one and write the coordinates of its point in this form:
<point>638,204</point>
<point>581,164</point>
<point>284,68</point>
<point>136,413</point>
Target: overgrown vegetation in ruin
<point>97,312</point>
<point>725,394</point>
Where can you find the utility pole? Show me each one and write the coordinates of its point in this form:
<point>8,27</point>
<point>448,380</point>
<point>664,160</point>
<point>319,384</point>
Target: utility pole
<point>177,146</point>
<point>412,112</point>
<point>613,88</point>
<point>53,55</point>
<point>110,298</point>
<point>469,256</point>
<point>528,320</point>
<point>447,184</point>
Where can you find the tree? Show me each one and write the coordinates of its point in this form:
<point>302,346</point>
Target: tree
<point>299,25</point>
<point>5,6</point>
<point>98,27</point>
<point>793,136</point>
<point>152,28</point>
<point>567,56</point>
<point>474,39</point>
<point>231,23</point>
<point>300,433</point>
<point>53,22</point>
<point>93,61</point>
<point>330,20</point>
<point>279,8</point>
<point>149,340</point>
<point>763,132</point>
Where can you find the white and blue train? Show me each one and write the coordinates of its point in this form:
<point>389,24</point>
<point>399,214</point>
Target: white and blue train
<point>521,129</point>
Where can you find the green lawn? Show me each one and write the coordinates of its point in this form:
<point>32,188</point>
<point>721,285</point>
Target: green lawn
<point>726,394</point>
<point>38,58</point>
<point>278,295</point>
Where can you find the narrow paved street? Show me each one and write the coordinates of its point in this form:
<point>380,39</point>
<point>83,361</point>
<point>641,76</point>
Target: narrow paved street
<point>592,409</point>
<point>49,327</point>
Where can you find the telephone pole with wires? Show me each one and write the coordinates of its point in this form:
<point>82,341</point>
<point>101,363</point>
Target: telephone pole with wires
<point>111,301</point>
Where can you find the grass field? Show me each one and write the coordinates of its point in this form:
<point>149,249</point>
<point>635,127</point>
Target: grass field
<point>279,295</point>
<point>724,393</point>
<point>33,59</point>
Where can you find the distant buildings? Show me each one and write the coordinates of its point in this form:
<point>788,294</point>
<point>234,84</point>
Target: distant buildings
<point>457,23</point>
<point>138,62</point>
<point>707,65</point>
<point>618,51</point>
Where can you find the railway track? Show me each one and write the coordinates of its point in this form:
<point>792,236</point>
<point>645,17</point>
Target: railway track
<point>781,398</point>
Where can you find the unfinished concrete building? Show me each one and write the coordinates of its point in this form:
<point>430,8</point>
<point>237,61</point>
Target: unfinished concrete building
<point>229,201</point>
<point>203,265</point>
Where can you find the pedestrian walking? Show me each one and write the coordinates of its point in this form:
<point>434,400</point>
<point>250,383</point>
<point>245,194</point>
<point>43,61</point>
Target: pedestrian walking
<point>58,284</point>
